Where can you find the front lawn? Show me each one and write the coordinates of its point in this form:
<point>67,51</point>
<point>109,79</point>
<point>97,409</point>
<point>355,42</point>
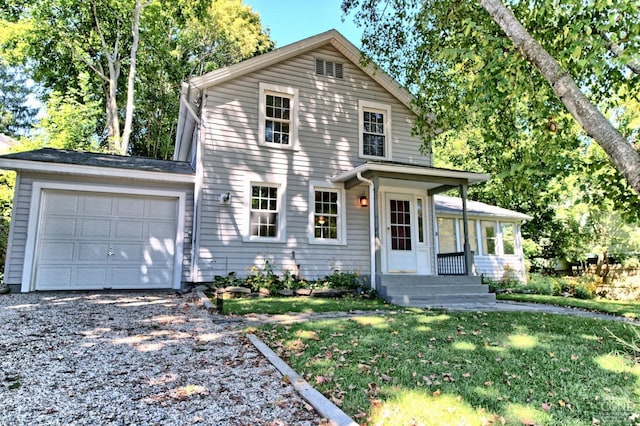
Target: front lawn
<point>614,307</point>
<point>436,368</point>
<point>282,305</point>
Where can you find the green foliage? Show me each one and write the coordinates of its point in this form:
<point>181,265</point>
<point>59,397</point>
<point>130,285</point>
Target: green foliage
<point>284,305</point>
<point>61,43</point>
<point>340,279</point>
<point>487,109</point>
<point>16,116</point>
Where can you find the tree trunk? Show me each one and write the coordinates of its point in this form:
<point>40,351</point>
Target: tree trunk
<point>135,29</point>
<point>623,156</point>
<point>113,122</point>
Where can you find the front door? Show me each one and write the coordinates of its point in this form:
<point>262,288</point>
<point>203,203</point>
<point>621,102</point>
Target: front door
<point>400,242</point>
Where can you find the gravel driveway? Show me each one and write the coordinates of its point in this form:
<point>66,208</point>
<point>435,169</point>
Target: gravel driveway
<point>133,358</point>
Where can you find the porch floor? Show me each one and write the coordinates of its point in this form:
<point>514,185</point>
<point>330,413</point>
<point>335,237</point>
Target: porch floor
<point>434,291</point>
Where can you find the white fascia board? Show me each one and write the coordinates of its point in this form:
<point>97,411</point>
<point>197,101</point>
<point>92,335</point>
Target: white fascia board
<point>414,170</point>
<point>84,170</point>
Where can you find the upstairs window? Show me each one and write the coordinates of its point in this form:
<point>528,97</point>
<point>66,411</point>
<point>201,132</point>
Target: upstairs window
<point>278,116</point>
<point>374,132</point>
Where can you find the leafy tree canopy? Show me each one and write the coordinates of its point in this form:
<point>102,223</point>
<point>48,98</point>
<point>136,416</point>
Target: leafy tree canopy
<point>487,109</point>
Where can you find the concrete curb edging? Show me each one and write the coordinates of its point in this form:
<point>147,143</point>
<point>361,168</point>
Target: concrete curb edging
<point>208,305</point>
<point>319,402</point>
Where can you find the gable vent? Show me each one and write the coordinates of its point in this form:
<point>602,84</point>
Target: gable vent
<point>328,68</point>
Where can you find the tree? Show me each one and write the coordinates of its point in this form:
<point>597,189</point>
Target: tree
<point>143,46</point>
<point>465,71</point>
<point>16,115</point>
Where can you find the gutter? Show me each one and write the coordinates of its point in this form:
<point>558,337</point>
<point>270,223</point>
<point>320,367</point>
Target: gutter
<point>372,227</point>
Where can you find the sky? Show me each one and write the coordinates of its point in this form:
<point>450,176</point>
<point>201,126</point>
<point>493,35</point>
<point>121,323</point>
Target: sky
<point>293,20</point>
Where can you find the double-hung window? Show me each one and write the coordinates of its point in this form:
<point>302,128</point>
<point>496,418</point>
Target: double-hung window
<point>264,217</point>
<point>278,115</point>
<point>374,130</point>
<point>489,238</point>
<point>326,215</point>
<point>508,238</point>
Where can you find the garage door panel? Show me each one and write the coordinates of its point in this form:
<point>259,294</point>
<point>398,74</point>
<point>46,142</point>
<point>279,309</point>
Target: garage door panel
<point>53,277</point>
<point>95,228</point>
<point>127,253</point>
<point>57,252</point>
<point>112,241</point>
<point>129,228</point>
<point>159,208</point>
<point>161,230</point>
<point>97,205</point>
<point>92,277</point>
<point>62,203</point>
<point>58,227</point>
<point>129,207</point>
<point>92,252</point>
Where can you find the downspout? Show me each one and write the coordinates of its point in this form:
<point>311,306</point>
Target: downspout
<point>372,228</point>
<point>197,190</point>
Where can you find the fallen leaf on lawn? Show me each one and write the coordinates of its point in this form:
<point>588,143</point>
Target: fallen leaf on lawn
<point>436,393</point>
<point>427,380</point>
<point>545,406</point>
<point>488,383</point>
<point>466,375</point>
<point>320,379</point>
<point>360,415</point>
<point>385,377</point>
<point>574,357</point>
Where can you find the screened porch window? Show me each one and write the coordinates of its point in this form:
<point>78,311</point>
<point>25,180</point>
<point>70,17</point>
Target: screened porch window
<point>447,240</point>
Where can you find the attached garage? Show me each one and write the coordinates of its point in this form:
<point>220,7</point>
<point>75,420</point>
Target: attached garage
<point>103,222</point>
<point>92,240</point>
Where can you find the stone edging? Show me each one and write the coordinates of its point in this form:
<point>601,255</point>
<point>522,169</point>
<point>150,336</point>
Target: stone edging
<point>320,403</point>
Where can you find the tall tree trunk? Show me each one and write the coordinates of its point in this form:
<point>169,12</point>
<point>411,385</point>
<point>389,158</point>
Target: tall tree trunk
<point>113,122</point>
<point>135,29</point>
<point>623,156</point>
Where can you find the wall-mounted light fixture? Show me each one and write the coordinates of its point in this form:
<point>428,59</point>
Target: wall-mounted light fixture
<point>225,198</point>
<point>364,201</point>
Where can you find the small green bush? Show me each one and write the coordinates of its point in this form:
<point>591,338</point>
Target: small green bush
<point>544,284</point>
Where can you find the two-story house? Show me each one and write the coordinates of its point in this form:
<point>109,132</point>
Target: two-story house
<point>303,157</point>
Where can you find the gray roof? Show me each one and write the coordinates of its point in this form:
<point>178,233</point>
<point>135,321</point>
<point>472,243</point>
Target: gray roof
<point>61,156</point>
<point>453,205</point>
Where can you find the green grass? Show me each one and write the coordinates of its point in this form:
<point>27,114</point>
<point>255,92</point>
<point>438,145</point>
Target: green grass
<point>614,307</point>
<point>436,368</point>
<point>282,305</point>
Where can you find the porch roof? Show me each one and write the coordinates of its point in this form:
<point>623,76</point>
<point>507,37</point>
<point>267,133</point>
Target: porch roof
<point>436,179</point>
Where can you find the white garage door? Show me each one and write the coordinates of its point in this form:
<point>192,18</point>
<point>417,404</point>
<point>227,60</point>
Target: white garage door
<point>105,241</point>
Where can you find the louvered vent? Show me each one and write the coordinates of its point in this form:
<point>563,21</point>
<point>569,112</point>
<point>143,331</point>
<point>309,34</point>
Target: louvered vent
<point>328,68</point>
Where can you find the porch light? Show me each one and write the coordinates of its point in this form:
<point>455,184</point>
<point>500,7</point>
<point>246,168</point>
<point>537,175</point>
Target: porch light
<point>364,201</point>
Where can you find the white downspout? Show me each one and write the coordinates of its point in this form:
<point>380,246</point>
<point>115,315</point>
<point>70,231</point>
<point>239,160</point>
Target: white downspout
<point>372,228</point>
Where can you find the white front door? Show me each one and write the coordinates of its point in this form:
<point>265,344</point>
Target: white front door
<point>400,231</point>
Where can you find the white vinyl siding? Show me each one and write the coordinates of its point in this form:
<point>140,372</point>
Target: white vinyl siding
<point>327,145</point>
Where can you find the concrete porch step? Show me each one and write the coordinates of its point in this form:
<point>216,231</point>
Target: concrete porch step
<point>443,301</point>
<point>399,290</point>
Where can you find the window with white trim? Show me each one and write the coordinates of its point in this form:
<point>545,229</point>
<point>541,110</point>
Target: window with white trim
<point>326,215</point>
<point>278,116</point>
<point>508,238</point>
<point>473,239</point>
<point>264,211</point>
<point>489,238</point>
<point>447,235</point>
<point>374,130</point>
